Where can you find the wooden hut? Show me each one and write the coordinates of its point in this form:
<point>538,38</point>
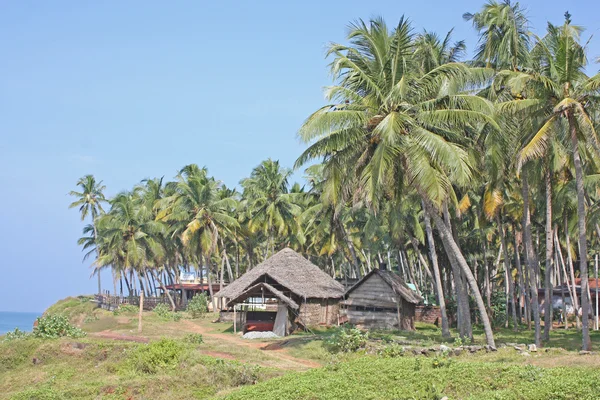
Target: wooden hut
<point>381,300</point>
<point>281,293</point>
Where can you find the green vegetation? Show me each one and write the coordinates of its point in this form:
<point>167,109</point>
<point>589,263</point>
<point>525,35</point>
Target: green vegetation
<point>198,305</point>
<point>371,377</point>
<point>164,312</point>
<point>156,356</point>
<point>347,339</point>
<point>48,327</point>
<point>73,307</point>
<point>475,179</point>
<point>89,368</point>
<point>55,326</point>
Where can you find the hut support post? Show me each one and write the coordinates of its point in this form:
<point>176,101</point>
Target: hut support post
<point>234,320</point>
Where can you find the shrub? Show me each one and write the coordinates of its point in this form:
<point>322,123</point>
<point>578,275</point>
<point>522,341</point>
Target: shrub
<point>17,334</point>
<point>165,313</point>
<point>198,305</point>
<point>156,356</point>
<point>392,351</point>
<point>347,340</point>
<point>54,326</point>
<point>194,338</point>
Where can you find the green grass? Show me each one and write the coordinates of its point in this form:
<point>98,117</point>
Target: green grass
<point>91,368</point>
<point>73,307</point>
<point>371,377</point>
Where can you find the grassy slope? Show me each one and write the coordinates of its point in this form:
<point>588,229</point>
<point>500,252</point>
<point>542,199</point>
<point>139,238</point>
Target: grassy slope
<point>99,368</point>
<point>92,367</point>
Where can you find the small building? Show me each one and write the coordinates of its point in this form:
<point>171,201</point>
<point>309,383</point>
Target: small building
<point>280,294</point>
<point>381,300</point>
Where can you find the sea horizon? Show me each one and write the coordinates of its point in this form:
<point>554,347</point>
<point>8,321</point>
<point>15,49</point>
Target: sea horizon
<point>9,320</point>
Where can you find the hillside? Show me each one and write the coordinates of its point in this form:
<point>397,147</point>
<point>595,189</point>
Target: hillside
<point>176,357</point>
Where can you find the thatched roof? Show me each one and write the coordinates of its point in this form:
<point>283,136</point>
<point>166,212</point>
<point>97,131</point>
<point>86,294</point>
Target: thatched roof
<point>255,291</point>
<point>395,282</point>
<point>292,271</point>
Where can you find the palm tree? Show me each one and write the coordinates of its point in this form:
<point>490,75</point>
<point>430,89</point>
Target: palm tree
<point>566,97</point>
<point>503,34</point>
<point>270,206</point>
<point>394,126</point>
<point>89,200</point>
<point>199,214</point>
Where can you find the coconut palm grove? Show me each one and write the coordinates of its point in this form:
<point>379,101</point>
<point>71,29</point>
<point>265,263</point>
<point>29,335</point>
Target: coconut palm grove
<point>473,175</point>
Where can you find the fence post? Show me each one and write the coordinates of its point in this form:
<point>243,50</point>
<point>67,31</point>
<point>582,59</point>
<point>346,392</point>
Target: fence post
<point>141,309</point>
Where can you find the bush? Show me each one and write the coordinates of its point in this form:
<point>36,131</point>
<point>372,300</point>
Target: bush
<point>156,356</point>
<point>198,305</point>
<point>54,326</point>
<point>392,351</point>
<point>17,334</point>
<point>347,340</point>
<point>194,338</point>
<point>165,313</point>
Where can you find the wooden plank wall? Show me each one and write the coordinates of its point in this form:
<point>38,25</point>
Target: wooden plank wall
<point>373,320</point>
<point>374,292</point>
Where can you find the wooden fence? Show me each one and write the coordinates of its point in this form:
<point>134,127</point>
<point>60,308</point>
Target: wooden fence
<point>111,303</point>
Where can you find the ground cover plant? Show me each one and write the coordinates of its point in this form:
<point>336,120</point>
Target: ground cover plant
<point>421,378</point>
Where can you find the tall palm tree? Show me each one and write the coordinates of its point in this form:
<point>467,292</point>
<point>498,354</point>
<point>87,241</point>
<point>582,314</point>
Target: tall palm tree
<point>394,126</point>
<point>200,215</point>
<point>503,34</point>
<point>566,97</point>
<point>89,200</point>
<point>270,206</point>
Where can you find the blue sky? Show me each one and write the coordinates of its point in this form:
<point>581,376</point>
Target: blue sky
<point>137,89</point>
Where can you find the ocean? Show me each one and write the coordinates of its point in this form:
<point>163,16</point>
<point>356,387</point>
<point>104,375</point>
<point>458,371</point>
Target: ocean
<point>22,320</point>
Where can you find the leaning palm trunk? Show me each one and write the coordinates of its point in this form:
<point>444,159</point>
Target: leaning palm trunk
<point>438,281</point>
<point>452,247</point>
<point>462,296</point>
<point>586,345</point>
<point>549,252</point>
<point>531,261</point>
<point>157,277</point>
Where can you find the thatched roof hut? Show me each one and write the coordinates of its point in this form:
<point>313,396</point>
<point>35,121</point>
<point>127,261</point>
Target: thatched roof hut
<point>304,294</point>
<point>292,271</point>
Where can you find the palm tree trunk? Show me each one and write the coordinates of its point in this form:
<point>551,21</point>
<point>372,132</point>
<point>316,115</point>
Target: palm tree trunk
<point>572,273</point>
<point>463,308</point>
<point>531,260</point>
<point>438,282</point>
<point>572,294</point>
<point>509,278</point>
<point>350,245</point>
<point>210,289</point>
<point>97,256</point>
<point>548,295</point>
<point>583,268</point>
<point>157,277</point>
<point>452,247</point>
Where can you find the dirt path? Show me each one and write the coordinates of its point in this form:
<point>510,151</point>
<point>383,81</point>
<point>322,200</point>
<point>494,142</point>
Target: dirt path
<point>117,336</point>
<point>273,350</point>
